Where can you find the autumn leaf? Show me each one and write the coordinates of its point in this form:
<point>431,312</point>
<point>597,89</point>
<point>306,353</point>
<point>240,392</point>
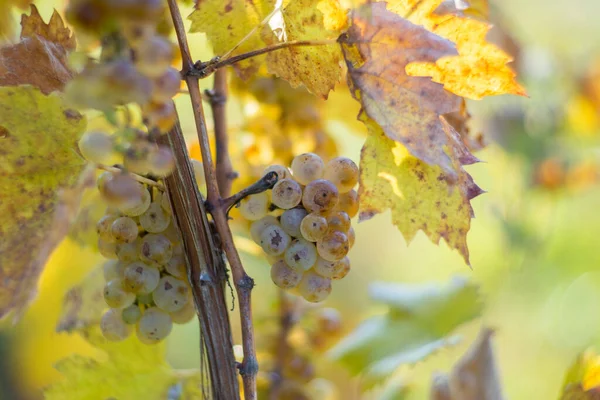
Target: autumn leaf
<point>420,196</point>
<point>480,68</point>
<point>316,67</point>
<point>83,304</point>
<point>226,23</point>
<point>582,380</point>
<point>40,57</point>
<point>377,47</point>
<point>38,162</point>
<point>130,370</point>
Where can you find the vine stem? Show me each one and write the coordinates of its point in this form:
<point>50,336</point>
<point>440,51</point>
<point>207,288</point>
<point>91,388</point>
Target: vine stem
<point>243,283</point>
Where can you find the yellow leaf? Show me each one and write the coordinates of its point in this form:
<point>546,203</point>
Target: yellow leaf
<point>419,195</point>
<point>54,31</point>
<point>84,303</point>
<point>37,160</point>
<point>316,67</point>
<point>479,69</point>
<point>226,23</point>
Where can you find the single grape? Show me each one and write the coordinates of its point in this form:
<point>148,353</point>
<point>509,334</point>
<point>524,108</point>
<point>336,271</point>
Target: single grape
<point>107,249</point>
<point>161,116</point>
<point>338,221</point>
<point>136,208</point>
<point>112,326</point>
<point>343,172</point>
<point>307,167</point>
<point>351,236</point>
<point>290,221</point>
<point>129,252</point>
<point>135,158</point>
<point>286,194</point>
<point>96,147</point>
<point>153,56</point>
<point>115,296</point>
<point>155,219</point>
<point>156,249</point>
<point>284,276</point>
<point>348,202</point>
<point>171,294</point>
<point>301,255</point>
<point>320,196</point>
<point>176,266</point>
<point>255,206</point>
<point>112,269</point>
<point>124,230</point>
<point>121,190</point>
<point>342,269</point>
<point>102,179</point>
<point>154,326</point>
<point>281,171</point>
<point>274,240</point>
<point>333,246</point>
<point>257,227</point>
<point>131,314</point>
<point>140,278</point>
<point>313,227</point>
<point>313,287</point>
<point>161,161</point>
<point>185,315</point>
<point>166,86</point>
<point>103,227</point>
<point>327,269</point>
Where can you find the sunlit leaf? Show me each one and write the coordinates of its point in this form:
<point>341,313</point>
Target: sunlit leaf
<point>38,160</point>
<point>83,304</point>
<point>582,380</point>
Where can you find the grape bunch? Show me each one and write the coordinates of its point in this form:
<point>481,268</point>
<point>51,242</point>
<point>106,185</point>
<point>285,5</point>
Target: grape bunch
<point>303,224</point>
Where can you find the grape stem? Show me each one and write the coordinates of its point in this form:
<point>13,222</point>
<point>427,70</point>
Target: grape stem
<point>243,283</point>
<point>139,178</point>
<point>263,184</point>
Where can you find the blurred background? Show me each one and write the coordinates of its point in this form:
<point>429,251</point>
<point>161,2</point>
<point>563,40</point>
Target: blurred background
<point>534,242</point>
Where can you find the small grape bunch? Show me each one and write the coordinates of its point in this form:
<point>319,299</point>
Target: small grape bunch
<point>303,224</point>
<point>146,279</point>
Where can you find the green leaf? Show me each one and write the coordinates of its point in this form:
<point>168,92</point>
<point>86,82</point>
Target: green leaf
<point>38,163</point>
<point>419,320</point>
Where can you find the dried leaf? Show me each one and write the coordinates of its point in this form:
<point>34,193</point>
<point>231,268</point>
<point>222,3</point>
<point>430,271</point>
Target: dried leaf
<point>40,58</point>
<point>316,67</point>
<point>420,196</point>
<point>377,47</point>
<point>480,68</point>
<point>38,161</point>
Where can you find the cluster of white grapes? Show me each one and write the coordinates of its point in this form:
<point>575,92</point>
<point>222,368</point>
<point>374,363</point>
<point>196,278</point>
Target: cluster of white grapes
<point>303,223</point>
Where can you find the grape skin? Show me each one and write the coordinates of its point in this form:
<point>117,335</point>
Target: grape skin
<point>112,269</point>
<point>155,219</point>
<point>154,326</point>
<point>128,252</point>
<point>307,167</point>
<point>107,249</point>
<point>348,202</point>
<point>161,161</point>
<point>333,246</point>
<point>137,208</point>
<point>156,249</point>
<point>115,296</point>
<point>351,236</point>
<point>327,269</point>
<point>313,227</point>
<point>290,221</point>
<point>254,207</point>
<point>281,171</point>
<point>185,315</point>
<point>113,327</point>
<point>257,227</point>
<point>342,172</point>
<point>343,269</point>
<point>313,287</point>
<point>120,190</point>
<point>140,278</point>
<point>166,86</point>
<point>176,266</point>
<point>124,230</point>
<point>284,276</point>
<point>96,147</point>
<point>301,255</point>
<point>171,294</point>
<point>320,196</point>
<point>131,314</point>
<point>153,56</point>
<point>286,194</point>
<point>274,240</point>
<point>338,221</point>
<point>103,227</point>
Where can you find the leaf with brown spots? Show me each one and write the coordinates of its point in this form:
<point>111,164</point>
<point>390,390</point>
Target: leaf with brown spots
<point>83,304</point>
<point>40,57</point>
<point>318,68</point>
<point>378,47</point>
<point>40,186</point>
<point>420,196</point>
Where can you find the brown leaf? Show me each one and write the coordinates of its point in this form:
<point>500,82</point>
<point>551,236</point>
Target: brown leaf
<point>40,58</point>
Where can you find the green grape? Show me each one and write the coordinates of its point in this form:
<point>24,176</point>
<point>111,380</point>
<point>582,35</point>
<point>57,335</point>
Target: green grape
<point>102,179</point>
<point>112,326</point>
<point>348,202</point>
<point>153,56</point>
<point>320,196</point>
<point>166,86</point>
<point>343,269</point>
<point>140,278</point>
<point>333,246</point>
<point>284,276</point>
<point>338,221</point>
<point>327,269</point>
<point>103,227</point>
<point>131,315</point>
<point>301,255</point>
<point>161,161</point>
<point>129,252</point>
<point>307,167</point>
<point>124,230</point>
<point>176,266</point>
<point>274,240</point>
<point>313,287</point>
<point>351,236</point>
<point>166,204</point>
<point>185,314</point>
<point>255,206</point>
<point>154,326</point>
<point>155,219</point>
<point>115,296</point>
<point>290,221</point>
<point>112,269</point>
<point>145,299</point>
<point>121,190</point>
<point>171,294</point>
<point>343,172</point>
<point>281,171</point>
<point>107,249</point>
<point>313,227</point>
<point>96,147</point>
<point>137,208</point>
<point>156,250</point>
<point>329,321</point>
<point>286,194</point>
<point>161,116</point>
<point>257,227</point>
